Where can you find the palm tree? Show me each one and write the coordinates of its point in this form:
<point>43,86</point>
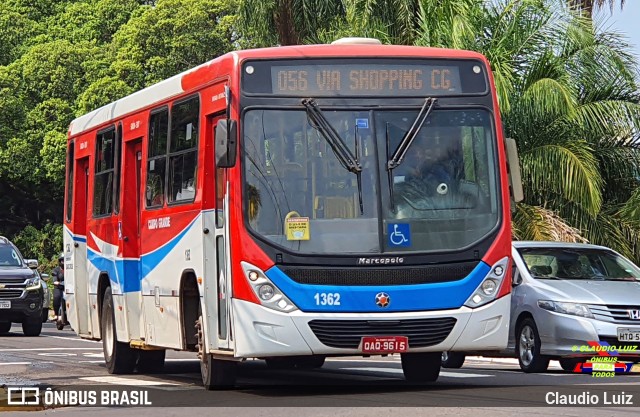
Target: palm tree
<point>294,22</point>
<point>586,7</point>
<point>568,96</point>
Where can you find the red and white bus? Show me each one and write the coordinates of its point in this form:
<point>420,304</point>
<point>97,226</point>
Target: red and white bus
<point>292,204</point>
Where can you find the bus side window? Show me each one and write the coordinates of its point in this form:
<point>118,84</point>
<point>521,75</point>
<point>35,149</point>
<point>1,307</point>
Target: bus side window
<point>69,195</point>
<point>183,150</point>
<point>104,170</point>
<point>157,158</point>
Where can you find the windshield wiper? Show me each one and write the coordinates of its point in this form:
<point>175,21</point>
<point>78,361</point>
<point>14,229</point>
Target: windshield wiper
<point>407,140</point>
<point>405,143</point>
<point>342,152</point>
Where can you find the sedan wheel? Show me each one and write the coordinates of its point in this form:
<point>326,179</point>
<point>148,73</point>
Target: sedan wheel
<point>528,348</point>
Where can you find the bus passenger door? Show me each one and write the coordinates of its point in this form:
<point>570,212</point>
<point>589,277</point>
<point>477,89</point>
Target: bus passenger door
<point>130,226</point>
<point>217,296</point>
<point>78,289</point>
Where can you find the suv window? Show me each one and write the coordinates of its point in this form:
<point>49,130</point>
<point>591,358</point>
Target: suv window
<point>9,256</point>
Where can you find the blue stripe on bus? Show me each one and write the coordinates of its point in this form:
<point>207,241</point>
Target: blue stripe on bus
<point>361,299</point>
<point>137,269</point>
<point>76,238</point>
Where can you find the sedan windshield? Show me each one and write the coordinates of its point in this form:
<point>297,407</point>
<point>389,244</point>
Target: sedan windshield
<point>319,181</point>
<point>578,264</point>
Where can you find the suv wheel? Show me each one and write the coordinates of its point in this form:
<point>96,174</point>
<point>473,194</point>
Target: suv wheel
<point>32,326</point>
<point>5,326</point>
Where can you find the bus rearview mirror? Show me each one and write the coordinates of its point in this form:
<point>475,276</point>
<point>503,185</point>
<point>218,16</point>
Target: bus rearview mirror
<point>225,143</point>
<point>515,179</point>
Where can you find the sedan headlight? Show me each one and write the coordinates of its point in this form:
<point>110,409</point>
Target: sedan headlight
<point>574,309</point>
<point>33,284</point>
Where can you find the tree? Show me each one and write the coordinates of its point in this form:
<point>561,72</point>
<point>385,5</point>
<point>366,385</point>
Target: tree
<point>175,35</point>
<point>587,7</point>
<point>569,97</point>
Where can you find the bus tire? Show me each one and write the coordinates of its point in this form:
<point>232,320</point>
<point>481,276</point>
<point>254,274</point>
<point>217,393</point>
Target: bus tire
<point>421,367</point>
<point>151,361</point>
<point>217,374</point>
<point>118,356</point>
<point>310,362</point>
<point>453,360</point>
<point>528,346</point>
<point>569,364</point>
<point>281,363</point>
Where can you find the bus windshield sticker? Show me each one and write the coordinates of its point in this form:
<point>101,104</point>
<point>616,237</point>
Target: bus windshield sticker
<point>362,123</point>
<point>399,234</point>
<point>297,228</point>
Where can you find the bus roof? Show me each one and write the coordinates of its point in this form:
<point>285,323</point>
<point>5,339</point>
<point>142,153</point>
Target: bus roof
<point>175,85</point>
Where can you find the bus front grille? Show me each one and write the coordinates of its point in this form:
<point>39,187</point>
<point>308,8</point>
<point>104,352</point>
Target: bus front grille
<point>380,276</point>
<point>346,334</point>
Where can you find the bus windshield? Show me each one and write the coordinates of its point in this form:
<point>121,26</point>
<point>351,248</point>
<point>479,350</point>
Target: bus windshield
<point>443,195</point>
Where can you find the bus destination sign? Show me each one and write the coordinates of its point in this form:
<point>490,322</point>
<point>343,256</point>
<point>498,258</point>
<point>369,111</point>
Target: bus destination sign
<point>358,80</point>
<point>369,77</point>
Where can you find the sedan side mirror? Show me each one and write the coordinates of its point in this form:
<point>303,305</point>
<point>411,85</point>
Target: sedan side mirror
<point>517,277</point>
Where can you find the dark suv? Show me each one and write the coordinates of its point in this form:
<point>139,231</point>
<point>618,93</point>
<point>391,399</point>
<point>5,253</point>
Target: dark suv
<point>21,291</point>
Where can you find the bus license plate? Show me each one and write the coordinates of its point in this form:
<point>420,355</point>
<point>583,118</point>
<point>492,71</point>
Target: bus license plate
<point>628,335</point>
<point>384,344</point>
<point>5,304</point>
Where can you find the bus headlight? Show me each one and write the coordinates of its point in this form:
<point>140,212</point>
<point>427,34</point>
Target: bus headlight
<point>266,291</point>
<point>490,286</point>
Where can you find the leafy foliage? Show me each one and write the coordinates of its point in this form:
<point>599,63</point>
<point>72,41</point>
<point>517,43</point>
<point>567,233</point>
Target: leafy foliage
<point>63,58</point>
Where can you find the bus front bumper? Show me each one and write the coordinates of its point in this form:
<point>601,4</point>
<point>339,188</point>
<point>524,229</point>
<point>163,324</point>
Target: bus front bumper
<point>262,332</point>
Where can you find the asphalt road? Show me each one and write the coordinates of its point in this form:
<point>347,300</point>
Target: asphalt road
<point>61,359</point>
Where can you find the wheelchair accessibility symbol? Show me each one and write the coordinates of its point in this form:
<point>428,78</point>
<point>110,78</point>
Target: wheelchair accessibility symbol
<point>399,234</point>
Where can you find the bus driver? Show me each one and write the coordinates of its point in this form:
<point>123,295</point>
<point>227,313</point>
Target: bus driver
<point>435,179</point>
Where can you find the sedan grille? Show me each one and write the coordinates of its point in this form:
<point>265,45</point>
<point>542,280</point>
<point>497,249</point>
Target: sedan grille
<point>347,334</point>
<point>614,313</point>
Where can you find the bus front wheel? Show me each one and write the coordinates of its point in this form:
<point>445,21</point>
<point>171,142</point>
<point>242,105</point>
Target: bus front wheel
<point>216,373</point>
<point>421,367</point>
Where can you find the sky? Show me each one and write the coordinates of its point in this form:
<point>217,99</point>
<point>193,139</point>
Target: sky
<point>626,22</point>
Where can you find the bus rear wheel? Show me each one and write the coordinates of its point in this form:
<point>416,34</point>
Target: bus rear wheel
<point>151,361</point>
<point>217,374</point>
<point>421,367</point>
<point>119,357</point>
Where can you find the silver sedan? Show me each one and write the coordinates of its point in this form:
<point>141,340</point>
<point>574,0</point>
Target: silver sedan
<point>566,298</point>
